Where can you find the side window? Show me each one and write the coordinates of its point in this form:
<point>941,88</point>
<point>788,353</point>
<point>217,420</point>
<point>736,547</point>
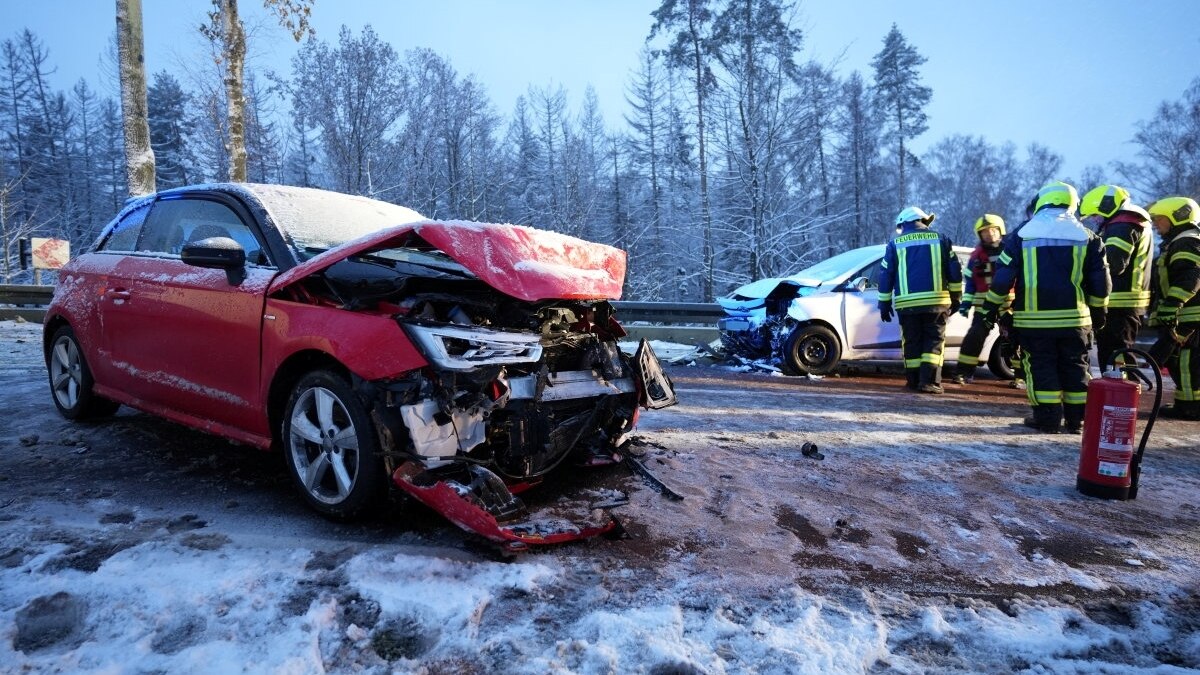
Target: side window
<point>175,222</point>
<point>125,235</point>
<point>871,272</point>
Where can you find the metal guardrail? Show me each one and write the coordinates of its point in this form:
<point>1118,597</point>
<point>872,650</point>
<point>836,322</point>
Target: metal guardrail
<point>672,318</point>
<point>669,312</point>
<point>28,300</point>
<point>24,294</point>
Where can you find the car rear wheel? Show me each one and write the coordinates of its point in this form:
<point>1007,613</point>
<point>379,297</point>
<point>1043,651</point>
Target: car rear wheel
<point>812,350</point>
<point>71,379</point>
<point>999,363</point>
<point>330,447</point>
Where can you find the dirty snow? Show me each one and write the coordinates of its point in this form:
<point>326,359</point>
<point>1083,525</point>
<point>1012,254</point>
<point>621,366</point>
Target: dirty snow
<point>920,544</point>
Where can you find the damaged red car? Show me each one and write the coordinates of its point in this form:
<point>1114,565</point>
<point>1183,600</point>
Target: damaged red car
<point>459,362</point>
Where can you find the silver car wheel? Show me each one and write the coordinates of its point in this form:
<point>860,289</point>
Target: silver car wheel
<point>66,372</point>
<point>324,445</point>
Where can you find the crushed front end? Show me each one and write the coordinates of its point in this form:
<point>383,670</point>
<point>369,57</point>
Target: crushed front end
<point>513,391</point>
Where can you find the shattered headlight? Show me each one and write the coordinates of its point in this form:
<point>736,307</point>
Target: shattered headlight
<point>459,348</point>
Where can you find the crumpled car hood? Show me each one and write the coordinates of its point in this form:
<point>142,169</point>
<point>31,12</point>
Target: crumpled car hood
<point>520,261</point>
<point>752,294</point>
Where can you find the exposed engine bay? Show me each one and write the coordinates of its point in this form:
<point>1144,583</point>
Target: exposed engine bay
<point>513,389</point>
<point>758,327</point>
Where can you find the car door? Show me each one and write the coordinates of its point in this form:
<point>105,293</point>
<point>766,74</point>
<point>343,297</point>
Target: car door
<point>860,312</point>
<point>957,326</point>
<point>84,287</point>
<point>187,338</point>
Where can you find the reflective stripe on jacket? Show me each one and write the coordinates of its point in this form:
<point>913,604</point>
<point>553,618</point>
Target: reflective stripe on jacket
<point>1058,269</point>
<point>1179,275</point>
<point>919,270</point>
<point>1127,244</point>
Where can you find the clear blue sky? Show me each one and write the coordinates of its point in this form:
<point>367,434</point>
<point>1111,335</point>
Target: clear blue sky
<point>1075,75</point>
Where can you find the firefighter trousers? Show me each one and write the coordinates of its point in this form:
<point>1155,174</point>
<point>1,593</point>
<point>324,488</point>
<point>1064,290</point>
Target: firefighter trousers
<point>972,345</point>
<point>1185,371</point>
<point>922,339</point>
<point>1056,373</point>
<point>1119,332</point>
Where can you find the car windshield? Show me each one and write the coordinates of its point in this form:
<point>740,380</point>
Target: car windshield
<point>318,220</point>
<point>840,264</point>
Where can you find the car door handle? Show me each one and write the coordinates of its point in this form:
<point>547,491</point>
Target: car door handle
<point>118,295</point>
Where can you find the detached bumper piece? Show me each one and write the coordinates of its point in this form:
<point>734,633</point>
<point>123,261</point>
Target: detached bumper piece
<point>478,501</point>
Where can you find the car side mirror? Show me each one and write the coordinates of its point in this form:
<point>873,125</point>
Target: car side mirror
<point>858,284</point>
<point>217,253</point>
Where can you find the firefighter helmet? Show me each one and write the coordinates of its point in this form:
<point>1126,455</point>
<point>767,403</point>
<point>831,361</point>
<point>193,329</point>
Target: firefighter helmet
<point>990,220</point>
<point>1178,210</point>
<point>1057,193</point>
<point>914,213</point>
<point>1104,201</point>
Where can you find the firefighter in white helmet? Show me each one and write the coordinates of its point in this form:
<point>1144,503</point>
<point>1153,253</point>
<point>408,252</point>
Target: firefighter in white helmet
<point>922,279</point>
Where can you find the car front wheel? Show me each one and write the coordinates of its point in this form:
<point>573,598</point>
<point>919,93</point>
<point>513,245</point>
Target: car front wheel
<point>812,350</point>
<point>71,379</point>
<point>330,447</point>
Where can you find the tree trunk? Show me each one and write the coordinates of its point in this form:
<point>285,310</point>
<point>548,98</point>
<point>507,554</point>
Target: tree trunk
<point>705,210</point>
<point>235,62</point>
<point>139,157</point>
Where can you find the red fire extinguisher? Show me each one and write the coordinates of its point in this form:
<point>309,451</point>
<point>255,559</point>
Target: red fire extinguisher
<point>1109,466</point>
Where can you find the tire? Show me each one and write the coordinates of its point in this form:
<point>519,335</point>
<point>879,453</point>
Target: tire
<point>812,350</point>
<point>330,448</point>
<point>71,379</point>
<point>999,364</point>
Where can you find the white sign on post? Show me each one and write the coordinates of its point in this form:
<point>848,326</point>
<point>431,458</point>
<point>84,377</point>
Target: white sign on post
<point>50,254</point>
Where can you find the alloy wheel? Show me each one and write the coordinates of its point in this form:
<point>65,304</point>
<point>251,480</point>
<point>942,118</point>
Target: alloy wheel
<point>66,372</point>
<point>324,445</point>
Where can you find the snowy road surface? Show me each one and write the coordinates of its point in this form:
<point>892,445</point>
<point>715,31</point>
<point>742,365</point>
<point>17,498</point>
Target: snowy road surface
<point>935,536</point>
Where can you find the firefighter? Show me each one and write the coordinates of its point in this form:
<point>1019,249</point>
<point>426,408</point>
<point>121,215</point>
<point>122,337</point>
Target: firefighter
<point>1058,269</point>
<point>1125,229</point>
<point>1178,311</point>
<point>921,277</point>
<point>980,267</point>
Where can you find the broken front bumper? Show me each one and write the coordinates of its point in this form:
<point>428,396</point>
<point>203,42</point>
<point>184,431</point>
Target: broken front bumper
<point>478,500</point>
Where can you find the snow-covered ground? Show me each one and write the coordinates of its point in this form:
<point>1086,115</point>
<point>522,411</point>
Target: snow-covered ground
<point>935,536</point>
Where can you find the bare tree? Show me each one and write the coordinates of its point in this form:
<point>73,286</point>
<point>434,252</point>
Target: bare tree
<point>16,222</point>
<point>690,50</point>
<point>139,157</point>
<point>226,31</point>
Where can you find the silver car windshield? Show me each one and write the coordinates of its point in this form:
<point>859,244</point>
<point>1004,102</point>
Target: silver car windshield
<point>841,264</point>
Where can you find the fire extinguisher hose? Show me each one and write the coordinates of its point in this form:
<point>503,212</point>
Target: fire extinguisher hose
<point>1135,469</point>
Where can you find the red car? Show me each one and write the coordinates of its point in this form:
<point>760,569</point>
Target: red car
<point>460,362</point>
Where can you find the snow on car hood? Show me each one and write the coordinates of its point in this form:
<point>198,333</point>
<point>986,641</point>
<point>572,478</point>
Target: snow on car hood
<point>755,291</point>
<point>524,262</point>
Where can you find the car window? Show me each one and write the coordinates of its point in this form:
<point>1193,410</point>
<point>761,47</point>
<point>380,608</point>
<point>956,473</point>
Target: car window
<point>125,235</point>
<point>175,222</point>
<point>871,272</point>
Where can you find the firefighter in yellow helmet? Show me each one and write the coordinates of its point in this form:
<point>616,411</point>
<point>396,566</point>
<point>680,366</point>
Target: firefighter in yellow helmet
<point>980,268</point>
<point>1058,269</point>
<point>1178,311</point>
<point>922,278</point>
<point>1125,229</point>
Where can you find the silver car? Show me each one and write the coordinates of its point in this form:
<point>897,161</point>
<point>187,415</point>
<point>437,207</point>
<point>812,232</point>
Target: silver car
<point>825,314</point>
